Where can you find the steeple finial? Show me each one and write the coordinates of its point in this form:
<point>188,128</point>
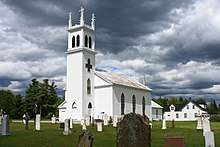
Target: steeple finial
<point>93,21</point>
<point>82,16</point>
<point>70,21</point>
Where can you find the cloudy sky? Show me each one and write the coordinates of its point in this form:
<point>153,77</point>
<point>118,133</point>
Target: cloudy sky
<point>175,44</point>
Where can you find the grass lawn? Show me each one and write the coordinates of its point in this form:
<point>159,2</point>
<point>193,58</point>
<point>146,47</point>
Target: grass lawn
<point>51,136</point>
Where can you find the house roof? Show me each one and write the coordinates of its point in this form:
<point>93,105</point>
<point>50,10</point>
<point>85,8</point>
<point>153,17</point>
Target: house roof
<point>155,105</point>
<point>119,79</point>
<point>179,107</point>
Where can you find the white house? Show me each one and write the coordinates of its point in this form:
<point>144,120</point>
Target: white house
<point>156,110</point>
<point>91,92</point>
<point>184,112</point>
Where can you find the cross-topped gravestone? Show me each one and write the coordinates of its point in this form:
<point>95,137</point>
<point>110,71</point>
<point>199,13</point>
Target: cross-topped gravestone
<point>88,66</point>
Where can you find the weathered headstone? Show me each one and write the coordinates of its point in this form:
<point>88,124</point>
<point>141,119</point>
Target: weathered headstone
<point>53,119</point>
<point>26,118</point>
<point>173,123</point>
<point>174,141</point>
<point>67,130</point>
<point>105,120</point>
<point>99,126</point>
<point>5,125</point>
<point>209,139</point>
<point>133,131</point>
<point>199,122</point>
<point>206,125</point>
<point>84,127</point>
<point>37,125</point>
<point>115,120</point>
<point>71,123</point>
<point>85,139</point>
<point>87,118</point>
<point>164,127</point>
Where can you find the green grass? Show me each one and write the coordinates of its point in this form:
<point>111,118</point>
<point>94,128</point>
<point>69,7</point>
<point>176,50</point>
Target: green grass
<point>51,135</point>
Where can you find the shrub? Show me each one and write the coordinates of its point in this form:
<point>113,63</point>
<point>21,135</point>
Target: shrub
<point>215,118</point>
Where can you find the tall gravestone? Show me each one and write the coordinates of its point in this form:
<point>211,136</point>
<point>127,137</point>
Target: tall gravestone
<point>209,139</point>
<point>133,131</point>
<point>105,120</point>
<point>164,126</point>
<point>37,122</point>
<point>67,130</point>
<point>115,120</point>
<point>5,125</point>
<point>206,125</point>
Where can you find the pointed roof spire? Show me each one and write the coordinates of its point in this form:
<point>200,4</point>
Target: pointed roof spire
<point>70,21</point>
<point>93,21</point>
<point>82,16</point>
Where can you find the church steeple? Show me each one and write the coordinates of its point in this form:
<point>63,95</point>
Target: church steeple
<point>81,16</point>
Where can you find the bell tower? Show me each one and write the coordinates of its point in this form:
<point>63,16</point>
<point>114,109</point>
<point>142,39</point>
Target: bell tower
<point>79,95</point>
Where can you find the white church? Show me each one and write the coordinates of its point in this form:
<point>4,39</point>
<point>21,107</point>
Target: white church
<point>91,92</point>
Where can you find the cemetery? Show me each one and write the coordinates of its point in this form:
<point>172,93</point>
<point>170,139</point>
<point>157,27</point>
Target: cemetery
<point>51,134</point>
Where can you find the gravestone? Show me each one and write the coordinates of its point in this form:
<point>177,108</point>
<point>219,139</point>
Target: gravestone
<point>164,127</point>
<point>85,139</point>
<point>26,118</point>
<point>199,122</point>
<point>71,123</point>
<point>1,122</point>
<point>115,120</point>
<point>99,126</point>
<point>105,120</point>
<point>67,130</point>
<point>37,126</point>
<point>84,127</point>
<point>5,125</point>
<point>87,118</point>
<point>174,141</point>
<point>133,131</point>
<point>209,139</point>
<point>173,123</point>
<point>53,119</point>
<point>206,125</point>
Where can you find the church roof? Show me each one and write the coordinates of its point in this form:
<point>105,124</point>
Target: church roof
<point>119,79</point>
<point>155,105</point>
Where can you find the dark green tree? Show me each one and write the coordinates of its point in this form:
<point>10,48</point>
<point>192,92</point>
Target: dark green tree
<point>7,102</point>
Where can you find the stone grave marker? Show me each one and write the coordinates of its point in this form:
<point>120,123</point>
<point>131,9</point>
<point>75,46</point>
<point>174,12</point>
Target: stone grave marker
<point>5,125</point>
<point>67,130</point>
<point>53,119</point>
<point>1,122</point>
<point>71,123</point>
<point>133,131</point>
<point>199,122</point>
<point>26,118</point>
<point>85,139</point>
<point>206,125</point>
<point>174,141</point>
<point>164,127</point>
<point>37,125</point>
<point>105,120</point>
<point>87,121</point>
<point>209,139</point>
<point>115,120</point>
<point>99,125</point>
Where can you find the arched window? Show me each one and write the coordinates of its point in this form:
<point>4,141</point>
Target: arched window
<point>133,103</point>
<point>90,105</point>
<point>122,104</point>
<point>90,42</point>
<point>73,41</point>
<point>77,41</point>
<point>86,41</point>
<point>88,86</point>
<point>143,105</point>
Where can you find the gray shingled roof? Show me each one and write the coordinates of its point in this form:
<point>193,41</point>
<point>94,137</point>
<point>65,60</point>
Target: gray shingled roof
<point>119,79</point>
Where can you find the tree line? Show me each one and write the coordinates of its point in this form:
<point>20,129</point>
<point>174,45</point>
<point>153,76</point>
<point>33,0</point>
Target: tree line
<point>211,106</point>
<point>40,98</point>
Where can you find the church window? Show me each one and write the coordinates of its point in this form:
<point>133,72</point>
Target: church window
<point>77,41</point>
<point>90,105</point>
<point>74,105</point>
<point>133,103</point>
<point>122,104</point>
<point>88,86</point>
<point>143,105</point>
<point>90,42</point>
<point>86,41</point>
<point>73,41</point>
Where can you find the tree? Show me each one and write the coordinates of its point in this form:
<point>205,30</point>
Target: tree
<point>7,102</point>
<point>213,107</point>
<point>40,98</point>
